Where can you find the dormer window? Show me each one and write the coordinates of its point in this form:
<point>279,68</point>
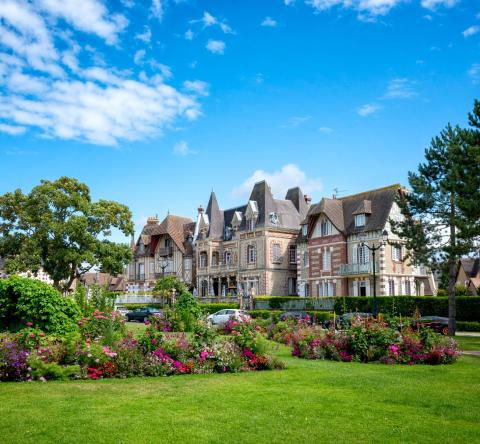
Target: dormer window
<point>251,215</point>
<point>250,224</point>
<point>304,230</point>
<point>360,220</point>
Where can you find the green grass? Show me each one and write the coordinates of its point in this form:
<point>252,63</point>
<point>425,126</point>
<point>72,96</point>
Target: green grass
<point>311,401</point>
<point>136,327</point>
<point>468,342</point>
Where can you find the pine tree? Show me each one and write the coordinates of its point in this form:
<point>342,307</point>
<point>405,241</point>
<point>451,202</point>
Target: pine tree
<point>442,208</point>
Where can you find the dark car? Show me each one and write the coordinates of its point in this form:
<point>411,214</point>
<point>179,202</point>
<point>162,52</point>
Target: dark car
<point>142,314</point>
<point>436,323</point>
<point>296,315</point>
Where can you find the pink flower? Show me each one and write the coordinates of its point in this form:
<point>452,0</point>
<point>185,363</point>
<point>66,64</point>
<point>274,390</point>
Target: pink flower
<point>31,335</point>
<point>29,324</point>
<point>147,322</point>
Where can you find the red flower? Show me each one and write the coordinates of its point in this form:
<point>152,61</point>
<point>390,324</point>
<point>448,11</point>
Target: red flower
<point>29,324</point>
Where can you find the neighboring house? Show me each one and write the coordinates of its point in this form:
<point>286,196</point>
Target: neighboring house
<point>162,249</point>
<point>250,249</point>
<point>468,274</point>
<point>105,280</point>
<point>40,275</point>
<point>338,264</point>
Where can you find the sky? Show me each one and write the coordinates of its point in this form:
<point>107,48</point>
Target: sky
<point>156,103</point>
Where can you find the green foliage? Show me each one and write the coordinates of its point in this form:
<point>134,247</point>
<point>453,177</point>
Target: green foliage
<point>52,371</point>
<point>275,302</point>
<point>58,228</point>
<point>468,326</point>
<point>217,306</point>
<point>166,284</point>
<point>461,290</point>
<point>188,310</point>
<point>25,300</point>
<point>103,327</point>
<point>468,307</point>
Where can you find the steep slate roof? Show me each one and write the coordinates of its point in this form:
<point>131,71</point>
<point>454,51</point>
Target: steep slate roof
<point>290,211</point>
<point>376,204</point>
<point>471,266</point>
<point>172,225</point>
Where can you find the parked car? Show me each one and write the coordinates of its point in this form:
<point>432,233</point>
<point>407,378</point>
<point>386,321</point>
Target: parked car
<point>142,314</point>
<point>296,315</point>
<point>122,310</point>
<point>436,323</point>
<point>223,316</point>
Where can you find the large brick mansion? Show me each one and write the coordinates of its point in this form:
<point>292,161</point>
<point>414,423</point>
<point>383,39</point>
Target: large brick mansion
<point>280,247</point>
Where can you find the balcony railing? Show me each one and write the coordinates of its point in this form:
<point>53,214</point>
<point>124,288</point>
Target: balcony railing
<point>139,277</point>
<point>356,269</point>
<point>165,251</point>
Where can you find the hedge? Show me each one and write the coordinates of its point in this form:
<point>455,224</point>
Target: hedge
<point>468,307</point>
<point>213,307</point>
<point>468,326</point>
<point>266,314</point>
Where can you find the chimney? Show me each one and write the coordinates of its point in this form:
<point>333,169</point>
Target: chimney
<point>308,199</point>
<point>200,210</point>
<point>152,220</point>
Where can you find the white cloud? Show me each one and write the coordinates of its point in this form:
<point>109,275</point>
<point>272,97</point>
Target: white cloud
<point>288,176</point>
<point>189,35</point>
<point>269,22</point>
<point>13,130</point>
<point>371,8</point>
<point>216,46</point>
<point>144,36</point>
<point>325,130</point>
<point>295,121</point>
<point>88,16</point>
<point>209,20</point>
<point>399,88</point>
<point>182,149</point>
<point>157,9</point>
<point>368,109</point>
<point>471,31</point>
<point>197,86</point>
<point>474,72</point>
<point>434,4</point>
<point>139,56</point>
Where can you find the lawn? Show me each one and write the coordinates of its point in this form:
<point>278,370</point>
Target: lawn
<point>311,401</point>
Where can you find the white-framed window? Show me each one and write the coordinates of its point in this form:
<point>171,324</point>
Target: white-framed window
<point>327,260</point>
<point>306,259</point>
<point>292,253</point>
<point>304,230</point>
<point>292,286</point>
<point>227,257</point>
<point>307,290</point>
<point>152,267</point>
<point>362,254</point>
<point>408,288</point>
<point>204,289</point>
<point>276,253</point>
<point>250,224</point>
<point>397,253</point>
<point>323,228</point>
<point>203,259</point>
<point>187,264</point>
<point>251,254</point>
<point>360,220</point>
<point>391,287</point>
<point>326,289</point>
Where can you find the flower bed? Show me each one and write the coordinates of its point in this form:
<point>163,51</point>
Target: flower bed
<point>366,341</point>
<point>102,349</point>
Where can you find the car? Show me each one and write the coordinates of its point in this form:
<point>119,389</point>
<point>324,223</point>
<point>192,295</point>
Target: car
<point>223,316</point>
<point>142,314</point>
<point>122,310</point>
<point>296,315</point>
<point>436,323</point>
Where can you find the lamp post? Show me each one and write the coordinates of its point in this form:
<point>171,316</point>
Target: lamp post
<point>163,265</point>
<point>374,248</point>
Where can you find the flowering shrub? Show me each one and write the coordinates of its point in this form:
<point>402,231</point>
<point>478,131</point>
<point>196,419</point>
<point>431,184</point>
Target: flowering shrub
<point>107,326</point>
<point>374,341</point>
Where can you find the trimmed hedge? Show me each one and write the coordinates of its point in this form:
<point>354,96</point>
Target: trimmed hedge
<point>468,326</point>
<point>468,307</point>
<point>216,306</point>
<point>276,302</point>
<point>266,314</point>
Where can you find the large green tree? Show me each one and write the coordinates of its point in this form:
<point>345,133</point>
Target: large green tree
<point>442,209</point>
<point>57,227</point>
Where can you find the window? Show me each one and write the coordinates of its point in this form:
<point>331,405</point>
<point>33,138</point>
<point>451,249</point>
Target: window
<point>276,253</point>
<point>250,224</point>
<point>168,242</point>
<point>292,252</point>
<point>360,220</point>
<point>326,289</point>
<point>251,254</point>
<point>391,287</point>
<point>396,253</point>
<point>152,267</point>
<point>327,260</point>
<point>304,230</point>
<point>306,260</point>
<point>323,228</point>
<point>227,258</point>
<point>362,254</point>
<point>292,286</point>
<point>203,260</point>
<point>408,289</point>
<point>307,290</point>
<point>215,258</point>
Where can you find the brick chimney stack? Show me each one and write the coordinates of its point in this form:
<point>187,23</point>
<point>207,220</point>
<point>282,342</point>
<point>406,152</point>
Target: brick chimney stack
<point>308,199</point>
<point>152,220</point>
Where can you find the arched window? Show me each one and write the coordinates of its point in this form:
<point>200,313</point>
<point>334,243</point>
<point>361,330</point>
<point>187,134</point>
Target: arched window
<point>203,259</point>
<point>204,289</point>
<point>215,258</point>
<point>251,254</point>
<point>227,257</point>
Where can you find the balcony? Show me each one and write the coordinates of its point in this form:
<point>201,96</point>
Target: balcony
<point>357,269</point>
<point>165,251</point>
<point>137,277</point>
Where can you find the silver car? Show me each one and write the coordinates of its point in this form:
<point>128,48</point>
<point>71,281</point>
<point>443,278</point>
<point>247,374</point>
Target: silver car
<point>223,316</point>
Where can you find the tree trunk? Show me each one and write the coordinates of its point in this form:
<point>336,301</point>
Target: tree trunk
<point>452,271</point>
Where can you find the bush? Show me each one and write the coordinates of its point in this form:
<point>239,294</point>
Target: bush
<point>25,300</point>
<point>468,326</point>
<point>275,302</point>
<point>217,306</point>
<point>468,307</point>
<point>106,328</point>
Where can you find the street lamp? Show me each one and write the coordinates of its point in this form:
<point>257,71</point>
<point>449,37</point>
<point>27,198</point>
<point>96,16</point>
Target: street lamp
<point>163,265</point>
<point>373,248</point>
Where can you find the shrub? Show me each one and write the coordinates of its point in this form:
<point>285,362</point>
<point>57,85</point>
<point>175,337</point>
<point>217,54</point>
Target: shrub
<point>104,327</point>
<point>25,300</point>
<point>217,306</point>
<point>188,311</point>
<point>13,360</point>
<point>468,326</point>
<point>468,307</point>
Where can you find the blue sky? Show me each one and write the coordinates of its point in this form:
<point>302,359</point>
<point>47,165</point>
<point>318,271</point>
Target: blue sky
<point>156,103</point>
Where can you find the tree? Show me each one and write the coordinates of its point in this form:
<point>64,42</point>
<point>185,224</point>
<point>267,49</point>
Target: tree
<point>165,285</point>
<point>442,211</point>
<point>57,227</point>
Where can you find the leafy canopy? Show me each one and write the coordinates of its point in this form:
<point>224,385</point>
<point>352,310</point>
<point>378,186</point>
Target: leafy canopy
<point>57,227</point>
